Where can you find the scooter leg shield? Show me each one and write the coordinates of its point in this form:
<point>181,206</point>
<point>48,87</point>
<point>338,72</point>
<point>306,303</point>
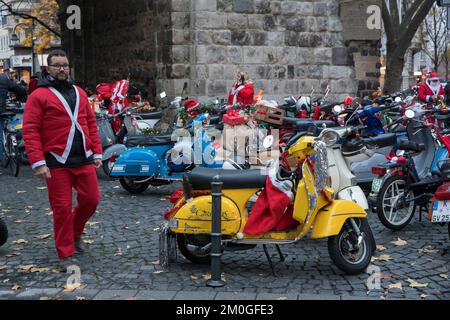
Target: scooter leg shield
<point>195,217</point>
<point>330,219</point>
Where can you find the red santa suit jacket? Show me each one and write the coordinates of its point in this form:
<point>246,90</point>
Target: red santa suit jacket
<point>426,92</point>
<point>49,126</point>
<point>241,95</point>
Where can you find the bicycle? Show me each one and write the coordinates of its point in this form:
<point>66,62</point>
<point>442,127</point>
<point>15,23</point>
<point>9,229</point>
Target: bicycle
<point>11,155</point>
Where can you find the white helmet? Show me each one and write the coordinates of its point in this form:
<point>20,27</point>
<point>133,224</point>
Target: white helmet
<point>304,103</point>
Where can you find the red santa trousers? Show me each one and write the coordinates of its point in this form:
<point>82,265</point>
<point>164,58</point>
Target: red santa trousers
<point>69,223</point>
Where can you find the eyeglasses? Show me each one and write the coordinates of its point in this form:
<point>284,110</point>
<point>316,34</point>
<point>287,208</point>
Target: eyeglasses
<point>58,66</point>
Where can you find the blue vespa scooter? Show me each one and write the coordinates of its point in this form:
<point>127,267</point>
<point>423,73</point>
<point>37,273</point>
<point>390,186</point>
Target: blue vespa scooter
<point>163,159</point>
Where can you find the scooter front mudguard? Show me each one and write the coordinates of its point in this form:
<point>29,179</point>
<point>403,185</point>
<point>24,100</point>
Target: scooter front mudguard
<point>331,219</point>
<point>113,151</point>
<point>195,217</point>
<point>354,194</point>
<point>137,162</point>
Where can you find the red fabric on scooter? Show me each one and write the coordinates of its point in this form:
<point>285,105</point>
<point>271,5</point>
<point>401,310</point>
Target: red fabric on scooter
<point>273,210</point>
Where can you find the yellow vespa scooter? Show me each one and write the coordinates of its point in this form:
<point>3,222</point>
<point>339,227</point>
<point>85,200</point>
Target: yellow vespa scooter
<point>343,222</point>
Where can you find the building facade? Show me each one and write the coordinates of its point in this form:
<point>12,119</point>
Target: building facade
<point>285,47</point>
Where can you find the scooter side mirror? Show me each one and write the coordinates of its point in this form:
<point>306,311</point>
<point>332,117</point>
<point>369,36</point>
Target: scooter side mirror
<point>337,109</point>
<point>410,114</point>
<point>268,142</point>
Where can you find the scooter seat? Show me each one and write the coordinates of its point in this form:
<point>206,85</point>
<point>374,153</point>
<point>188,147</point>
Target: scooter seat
<point>430,183</point>
<point>150,116</point>
<point>201,178</point>
<point>411,146</point>
<point>148,141</point>
<point>381,141</point>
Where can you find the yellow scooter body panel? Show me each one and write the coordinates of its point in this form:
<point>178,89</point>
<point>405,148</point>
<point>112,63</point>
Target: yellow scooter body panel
<point>195,216</point>
<point>331,219</point>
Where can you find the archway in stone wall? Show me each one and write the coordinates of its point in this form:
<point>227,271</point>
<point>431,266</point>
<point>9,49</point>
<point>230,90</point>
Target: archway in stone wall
<point>129,35</point>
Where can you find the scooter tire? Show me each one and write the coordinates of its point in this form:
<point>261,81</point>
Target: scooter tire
<point>380,206</point>
<point>3,232</point>
<point>182,242</point>
<point>106,167</point>
<point>336,253</point>
<point>135,188</point>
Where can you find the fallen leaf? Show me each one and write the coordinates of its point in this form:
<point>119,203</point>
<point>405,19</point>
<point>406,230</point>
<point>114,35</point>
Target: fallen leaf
<point>132,298</point>
<point>423,296</point>
<point>383,257</point>
<point>443,275</point>
<point>3,268</point>
<point>126,227</point>
<point>43,237</point>
<point>155,262</point>
<point>399,242</point>
<point>41,188</point>
<point>20,241</point>
<point>163,199</point>
<point>13,254</point>
<point>92,223</point>
<point>16,287</point>
<point>397,285</point>
<point>45,298</point>
<point>70,287</point>
<point>6,281</point>
<point>6,210</point>
<point>282,298</point>
<point>26,268</point>
<point>415,284</point>
<point>194,277</point>
<point>138,222</point>
<point>158,271</point>
<point>19,221</point>
<point>80,298</point>
<point>39,270</point>
<point>206,276</point>
<point>428,249</point>
<point>118,253</point>
<point>19,192</point>
<point>50,213</point>
<point>88,242</point>
<point>30,207</point>
<point>381,248</point>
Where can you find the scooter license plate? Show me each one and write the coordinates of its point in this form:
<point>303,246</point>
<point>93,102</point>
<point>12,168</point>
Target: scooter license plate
<point>376,185</point>
<point>441,212</point>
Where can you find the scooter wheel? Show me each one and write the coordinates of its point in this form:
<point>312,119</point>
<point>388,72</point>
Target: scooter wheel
<point>342,249</point>
<point>391,215</point>
<point>132,187</point>
<point>190,248</point>
<point>107,166</point>
<point>3,232</point>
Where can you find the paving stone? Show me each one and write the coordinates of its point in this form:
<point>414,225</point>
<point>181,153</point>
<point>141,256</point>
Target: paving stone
<point>36,294</point>
<point>235,296</point>
<point>155,295</point>
<point>194,295</point>
<point>115,294</point>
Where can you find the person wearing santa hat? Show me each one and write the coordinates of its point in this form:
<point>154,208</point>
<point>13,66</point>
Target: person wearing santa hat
<point>431,90</point>
<point>64,148</point>
<point>242,91</point>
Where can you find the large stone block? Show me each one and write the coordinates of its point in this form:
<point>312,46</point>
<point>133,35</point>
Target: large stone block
<point>216,71</point>
<point>262,6</point>
<point>210,20</point>
<point>181,5</point>
<point>211,54</point>
<point>221,37</point>
<point>237,21</point>
<point>275,39</point>
<point>322,56</point>
<point>181,20</point>
<point>225,5</point>
<point>234,55</point>
<point>181,37</point>
<point>205,5</point>
<point>217,87</point>
<point>257,55</point>
<point>181,54</point>
<point>178,71</point>
<point>256,21</point>
<point>243,6</point>
<point>338,72</point>
<point>241,38</point>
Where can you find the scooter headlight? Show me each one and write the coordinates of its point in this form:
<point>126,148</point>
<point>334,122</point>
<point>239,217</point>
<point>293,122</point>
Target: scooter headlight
<point>329,137</point>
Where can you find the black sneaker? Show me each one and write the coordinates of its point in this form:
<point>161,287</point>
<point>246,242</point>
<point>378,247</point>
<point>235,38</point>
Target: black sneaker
<point>80,246</point>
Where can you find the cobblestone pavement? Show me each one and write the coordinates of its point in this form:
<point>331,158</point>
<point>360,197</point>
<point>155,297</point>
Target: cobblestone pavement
<point>121,262</point>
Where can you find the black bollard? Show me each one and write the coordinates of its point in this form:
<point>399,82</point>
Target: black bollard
<point>216,235</point>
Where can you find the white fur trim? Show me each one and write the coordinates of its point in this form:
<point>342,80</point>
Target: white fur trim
<point>75,125</point>
<point>38,164</point>
<point>98,156</point>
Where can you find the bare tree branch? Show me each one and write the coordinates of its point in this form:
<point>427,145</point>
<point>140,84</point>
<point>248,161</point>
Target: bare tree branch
<point>28,16</point>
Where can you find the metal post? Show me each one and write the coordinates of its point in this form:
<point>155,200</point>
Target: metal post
<point>216,235</point>
<point>32,51</point>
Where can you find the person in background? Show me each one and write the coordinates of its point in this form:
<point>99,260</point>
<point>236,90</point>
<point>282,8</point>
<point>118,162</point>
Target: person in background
<point>242,91</point>
<point>431,90</point>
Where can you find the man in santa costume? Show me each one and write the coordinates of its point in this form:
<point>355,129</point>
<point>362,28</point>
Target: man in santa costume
<point>242,91</point>
<point>63,146</point>
<point>431,90</point>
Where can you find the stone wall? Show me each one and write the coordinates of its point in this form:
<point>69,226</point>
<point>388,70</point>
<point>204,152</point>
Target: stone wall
<point>286,47</point>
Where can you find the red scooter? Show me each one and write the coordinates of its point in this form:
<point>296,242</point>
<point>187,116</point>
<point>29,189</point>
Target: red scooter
<point>440,204</point>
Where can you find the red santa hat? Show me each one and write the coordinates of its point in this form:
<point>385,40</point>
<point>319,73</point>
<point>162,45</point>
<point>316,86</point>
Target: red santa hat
<point>433,76</point>
<point>191,104</point>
